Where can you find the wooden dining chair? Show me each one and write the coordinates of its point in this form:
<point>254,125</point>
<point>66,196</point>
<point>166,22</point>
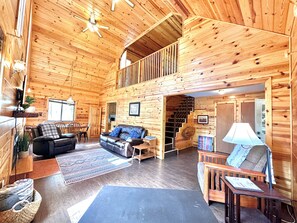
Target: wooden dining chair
<point>84,134</point>
<point>74,127</point>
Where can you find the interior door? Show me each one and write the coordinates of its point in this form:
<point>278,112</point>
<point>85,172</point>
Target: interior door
<point>248,113</point>
<point>224,120</point>
<point>94,121</point>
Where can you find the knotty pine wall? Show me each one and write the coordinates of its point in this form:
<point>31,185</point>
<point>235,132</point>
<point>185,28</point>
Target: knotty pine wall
<point>293,57</point>
<point>214,55</point>
<point>206,106</point>
<point>14,49</point>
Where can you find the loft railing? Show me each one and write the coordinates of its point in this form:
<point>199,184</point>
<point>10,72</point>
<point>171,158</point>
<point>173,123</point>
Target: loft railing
<point>158,64</point>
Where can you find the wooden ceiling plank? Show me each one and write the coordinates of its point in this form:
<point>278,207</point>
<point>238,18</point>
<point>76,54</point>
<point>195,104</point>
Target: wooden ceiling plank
<point>267,12</point>
<point>281,8</point>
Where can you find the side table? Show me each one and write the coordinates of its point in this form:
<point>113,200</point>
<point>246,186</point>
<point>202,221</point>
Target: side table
<point>146,149</point>
<point>272,200</point>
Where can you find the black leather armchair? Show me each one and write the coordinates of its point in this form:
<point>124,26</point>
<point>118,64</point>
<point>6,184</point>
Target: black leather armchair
<point>49,147</point>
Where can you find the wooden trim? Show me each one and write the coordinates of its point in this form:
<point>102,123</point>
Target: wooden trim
<point>268,107</point>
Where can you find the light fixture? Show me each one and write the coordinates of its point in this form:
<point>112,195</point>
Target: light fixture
<point>29,90</point>
<point>242,134</point>
<point>295,9</point>
<point>19,66</point>
<point>113,3</point>
<point>70,99</point>
<point>221,92</point>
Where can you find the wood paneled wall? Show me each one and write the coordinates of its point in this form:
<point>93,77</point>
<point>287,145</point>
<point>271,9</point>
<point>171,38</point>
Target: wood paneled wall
<point>216,55</point>
<point>14,49</point>
<point>293,57</point>
<point>206,106</point>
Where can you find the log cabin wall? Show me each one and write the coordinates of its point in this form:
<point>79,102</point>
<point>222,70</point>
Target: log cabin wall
<point>206,106</point>
<point>293,57</point>
<point>14,49</point>
<point>215,55</point>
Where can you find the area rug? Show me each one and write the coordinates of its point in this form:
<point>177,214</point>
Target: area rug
<point>82,165</point>
<point>148,205</point>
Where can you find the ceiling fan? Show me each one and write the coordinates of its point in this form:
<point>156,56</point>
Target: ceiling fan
<point>115,1</point>
<point>92,24</point>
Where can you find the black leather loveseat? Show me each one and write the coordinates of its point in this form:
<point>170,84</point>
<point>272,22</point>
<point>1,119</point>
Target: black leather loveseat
<point>49,141</point>
<point>122,138</point>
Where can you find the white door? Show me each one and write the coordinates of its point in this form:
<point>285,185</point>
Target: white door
<point>260,119</point>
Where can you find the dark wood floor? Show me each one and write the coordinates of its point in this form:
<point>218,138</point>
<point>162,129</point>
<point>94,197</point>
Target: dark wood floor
<point>175,172</point>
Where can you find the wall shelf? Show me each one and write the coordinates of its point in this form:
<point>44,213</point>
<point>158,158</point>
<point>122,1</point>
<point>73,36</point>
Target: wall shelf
<point>26,114</point>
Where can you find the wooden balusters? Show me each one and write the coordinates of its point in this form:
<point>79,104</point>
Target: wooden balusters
<point>159,64</point>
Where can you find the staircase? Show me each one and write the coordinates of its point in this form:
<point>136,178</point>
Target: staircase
<point>175,122</point>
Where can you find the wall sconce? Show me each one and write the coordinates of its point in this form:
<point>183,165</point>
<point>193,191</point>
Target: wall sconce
<point>18,66</point>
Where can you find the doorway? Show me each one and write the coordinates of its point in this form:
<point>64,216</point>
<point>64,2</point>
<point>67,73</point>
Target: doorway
<point>111,116</point>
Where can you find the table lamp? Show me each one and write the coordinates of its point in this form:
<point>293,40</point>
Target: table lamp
<point>243,134</point>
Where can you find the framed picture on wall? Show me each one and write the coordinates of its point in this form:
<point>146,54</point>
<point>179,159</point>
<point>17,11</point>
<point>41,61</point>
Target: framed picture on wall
<point>134,109</point>
<point>202,119</point>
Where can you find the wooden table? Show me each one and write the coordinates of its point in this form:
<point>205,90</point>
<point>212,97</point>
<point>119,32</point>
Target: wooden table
<point>272,200</point>
<point>146,150</point>
<point>23,167</point>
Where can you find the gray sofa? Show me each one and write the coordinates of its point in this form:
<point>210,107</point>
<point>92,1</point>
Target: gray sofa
<point>123,142</point>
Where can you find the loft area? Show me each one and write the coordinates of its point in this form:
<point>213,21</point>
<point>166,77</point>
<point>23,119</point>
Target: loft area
<point>132,89</point>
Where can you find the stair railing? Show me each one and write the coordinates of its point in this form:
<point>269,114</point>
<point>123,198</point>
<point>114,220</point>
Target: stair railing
<point>174,130</point>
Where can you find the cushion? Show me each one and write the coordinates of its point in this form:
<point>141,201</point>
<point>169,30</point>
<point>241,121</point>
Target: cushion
<point>238,155</point>
<point>124,135</point>
<point>115,132</point>
<point>256,159</point>
<point>200,175</point>
<point>112,140</point>
<point>103,138</point>
<point>135,134</point>
<point>62,142</point>
<point>49,130</point>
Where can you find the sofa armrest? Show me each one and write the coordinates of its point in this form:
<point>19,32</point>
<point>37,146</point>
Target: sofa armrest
<point>43,139</point>
<point>68,135</point>
<point>213,157</point>
<point>134,141</point>
<point>105,133</point>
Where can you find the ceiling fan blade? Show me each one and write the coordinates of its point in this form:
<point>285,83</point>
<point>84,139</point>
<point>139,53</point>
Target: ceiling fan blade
<point>103,27</point>
<point>113,5</point>
<point>130,3</point>
<point>85,29</point>
<point>99,34</point>
<point>80,18</point>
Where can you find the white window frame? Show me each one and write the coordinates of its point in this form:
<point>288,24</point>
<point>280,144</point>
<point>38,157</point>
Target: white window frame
<point>63,102</point>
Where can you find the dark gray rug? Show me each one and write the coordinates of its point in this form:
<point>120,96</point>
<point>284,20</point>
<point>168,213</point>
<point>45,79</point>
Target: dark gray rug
<point>147,205</point>
<point>82,165</point>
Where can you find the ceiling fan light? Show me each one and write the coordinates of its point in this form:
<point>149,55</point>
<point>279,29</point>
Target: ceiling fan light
<point>70,100</point>
<point>130,3</point>
<point>92,27</point>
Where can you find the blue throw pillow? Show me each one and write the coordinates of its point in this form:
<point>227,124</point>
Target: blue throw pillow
<point>134,134</point>
<point>115,132</point>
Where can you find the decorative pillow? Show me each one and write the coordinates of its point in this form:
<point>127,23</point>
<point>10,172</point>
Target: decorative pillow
<point>124,136</point>
<point>115,132</point>
<point>238,155</point>
<point>134,134</point>
<point>49,130</point>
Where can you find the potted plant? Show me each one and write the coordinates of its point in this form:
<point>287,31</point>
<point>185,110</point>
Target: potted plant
<point>27,105</point>
<point>23,145</point>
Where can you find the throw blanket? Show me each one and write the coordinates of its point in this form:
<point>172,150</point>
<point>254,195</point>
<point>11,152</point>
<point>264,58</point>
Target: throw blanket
<point>239,154</point>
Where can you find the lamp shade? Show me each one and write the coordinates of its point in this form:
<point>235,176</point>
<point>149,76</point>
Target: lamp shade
<point>242,134</point>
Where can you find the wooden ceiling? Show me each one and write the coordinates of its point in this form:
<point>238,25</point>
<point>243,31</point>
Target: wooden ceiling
<point>57,39</point>
<point>159,36</point>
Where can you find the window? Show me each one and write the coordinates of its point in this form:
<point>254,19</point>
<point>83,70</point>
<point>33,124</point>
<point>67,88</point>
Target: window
<point>59,110</point>
<point>124,61</point>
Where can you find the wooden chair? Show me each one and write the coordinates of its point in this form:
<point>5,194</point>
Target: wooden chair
<point>74,127</point>
<point>84,134</point>
<point>212,166</point>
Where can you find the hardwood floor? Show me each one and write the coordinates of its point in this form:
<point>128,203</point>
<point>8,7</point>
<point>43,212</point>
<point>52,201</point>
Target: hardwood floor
<point>175,172</point>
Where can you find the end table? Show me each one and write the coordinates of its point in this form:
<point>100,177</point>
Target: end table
<point>272,200</point>
<point>146,149</point>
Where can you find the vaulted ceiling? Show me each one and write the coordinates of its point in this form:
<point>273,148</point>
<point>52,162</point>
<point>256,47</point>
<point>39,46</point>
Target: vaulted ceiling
<point>57,39</point>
